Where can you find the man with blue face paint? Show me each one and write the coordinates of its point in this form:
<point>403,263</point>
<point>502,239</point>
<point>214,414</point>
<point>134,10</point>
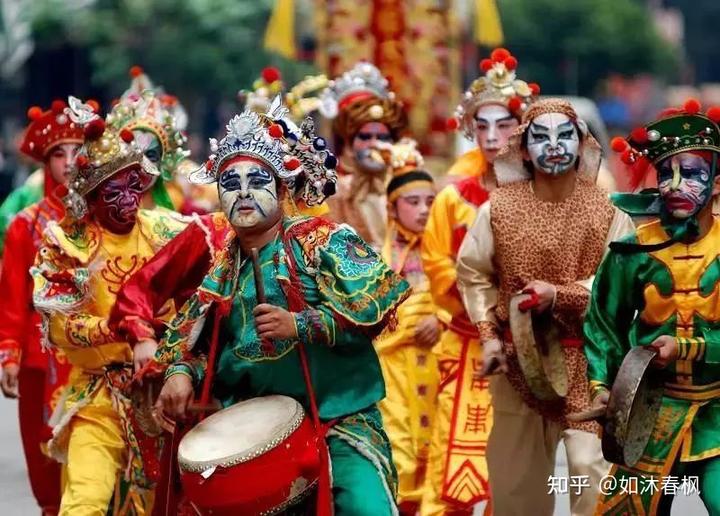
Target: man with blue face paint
<point>660,288</point>
<point>543,233</point>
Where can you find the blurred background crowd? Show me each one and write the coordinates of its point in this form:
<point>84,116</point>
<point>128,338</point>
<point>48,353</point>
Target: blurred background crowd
<point>625,59</point>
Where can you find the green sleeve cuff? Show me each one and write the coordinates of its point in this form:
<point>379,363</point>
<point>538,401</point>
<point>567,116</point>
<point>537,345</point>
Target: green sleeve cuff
<point>711,348</point>
<point>180,368</point>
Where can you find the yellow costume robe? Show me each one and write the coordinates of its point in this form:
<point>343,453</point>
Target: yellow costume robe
<point>410,371</point>
<point>80,269</point>
<point>470,164</point>
<point>457,472</point>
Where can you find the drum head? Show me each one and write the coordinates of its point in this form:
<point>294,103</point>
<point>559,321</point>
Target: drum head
<point>632,409</point>
<point>544,370</point>
<point>239,433</point>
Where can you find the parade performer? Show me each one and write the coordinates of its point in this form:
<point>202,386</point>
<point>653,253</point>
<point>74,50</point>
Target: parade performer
<point>327,290</point>
<point>31,374</point>
<point>364,113</point>
<point>484,123</point>
<point>141,110</point>
<point>457,473</point>
<point>82,263</point>
<point>658,287</point>
<point>543,232</point>
<point>409,367</point>
<point>301,100</point>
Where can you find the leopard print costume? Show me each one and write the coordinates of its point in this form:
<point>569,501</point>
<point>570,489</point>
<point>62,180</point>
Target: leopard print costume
<point>559,243</point>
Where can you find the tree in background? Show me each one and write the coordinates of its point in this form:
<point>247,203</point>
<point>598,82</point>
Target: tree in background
<point>570,46</point>
<point>203,51</point>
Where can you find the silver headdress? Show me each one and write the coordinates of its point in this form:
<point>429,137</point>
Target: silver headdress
<point>297,155</point>
<point>363,78</point>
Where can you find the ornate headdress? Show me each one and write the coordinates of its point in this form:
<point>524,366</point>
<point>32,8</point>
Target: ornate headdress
<point>104,153</point>
<point>303,98</point>
<point>360,96</point>
<point>500,86</point>
<point>264,90</point>
<point>142,107</point>
<point>295,154</point>
<point>676,130</point>
<point>509,166</point>
<point>405,163</point>
<point>48,129</point>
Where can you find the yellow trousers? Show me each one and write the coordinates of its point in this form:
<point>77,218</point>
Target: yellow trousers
<point>411,379</point>
<point>457,473</point>
<point>96,453</point>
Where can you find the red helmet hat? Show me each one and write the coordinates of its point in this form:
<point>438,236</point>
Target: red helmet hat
<point>48,129</point>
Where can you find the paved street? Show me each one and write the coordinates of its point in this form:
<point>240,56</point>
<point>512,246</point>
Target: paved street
<point>16,500</point>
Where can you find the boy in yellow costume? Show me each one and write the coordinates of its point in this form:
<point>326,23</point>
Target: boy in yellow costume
<point>82,263</point>
<point>409,367</point>
<point>456,479</point>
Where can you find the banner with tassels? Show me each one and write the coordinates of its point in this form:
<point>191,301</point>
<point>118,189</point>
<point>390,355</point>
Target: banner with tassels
<point>415,45</point>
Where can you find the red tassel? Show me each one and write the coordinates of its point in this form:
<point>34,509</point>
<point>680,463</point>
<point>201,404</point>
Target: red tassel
<point>270,74</point>
<point>486,65</point>
<point>639,135</point>
<point>534,88</point>
<point>57,106</point>
<point>34,113</point>
<point>136,71</point>
<point>514,104</point>
<point>511,63</point>
<point>452,124</point>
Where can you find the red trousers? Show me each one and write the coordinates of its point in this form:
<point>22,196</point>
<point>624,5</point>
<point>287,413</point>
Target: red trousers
<point>44,472</point>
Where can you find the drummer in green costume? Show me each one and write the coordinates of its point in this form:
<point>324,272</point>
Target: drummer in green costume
<point>326,290</point>
<point>660,287</point>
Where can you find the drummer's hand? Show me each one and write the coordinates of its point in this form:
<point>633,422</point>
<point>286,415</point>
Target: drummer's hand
<point>427,332</point>
<point>494,360</point>
<point>273,322</point>
<point>9,383</point>
<point>545,293</point>
<point>175,396</point>
<point>667,351</point>
<point>143,352</point>
<point>601,399</point>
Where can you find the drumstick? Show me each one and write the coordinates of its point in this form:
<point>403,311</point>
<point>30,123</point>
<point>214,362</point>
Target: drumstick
<point>259,285</point>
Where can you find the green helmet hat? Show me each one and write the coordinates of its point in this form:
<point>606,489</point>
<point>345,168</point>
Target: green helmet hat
<point>676,131</point>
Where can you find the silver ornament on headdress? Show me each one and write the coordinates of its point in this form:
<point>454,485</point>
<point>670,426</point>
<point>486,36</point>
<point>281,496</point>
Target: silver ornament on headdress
<point>362,77</point>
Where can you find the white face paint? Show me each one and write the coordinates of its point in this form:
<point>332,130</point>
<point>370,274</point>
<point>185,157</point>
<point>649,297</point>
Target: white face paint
<point>553,143</point>
<point>494,125</point>
<point>248,194</point>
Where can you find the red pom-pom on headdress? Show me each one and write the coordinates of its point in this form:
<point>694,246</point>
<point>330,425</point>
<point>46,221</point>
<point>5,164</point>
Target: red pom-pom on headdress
<point>57,106</point>
<point>619,144</point>
<point>692,106</point>
<point>270,74</point>
<point>534,88</point>
<point>82,161</point>
<point>486,65</point>
<point>95,129</point>
<point>136,71</point>
<point>34,113</point>
<point>499,55</point>
<point>275,130</point>
<point>209,164</point>
<point>639,135</point>
<point>714,114</point>
<point>452,124</point>
<point>514,104</point>
<point>511,63</point>
<point>127,135</point>
<point>94,104</point>
<point>292,164</point>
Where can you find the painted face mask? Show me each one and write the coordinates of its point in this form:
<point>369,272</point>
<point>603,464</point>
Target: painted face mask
<point>494,125</point>
<point>684,184</point>
<point>248,193</point>
<point>364,145</point>
<point>150,145</point>
<point>116,201</point>
<point>553,143</point>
